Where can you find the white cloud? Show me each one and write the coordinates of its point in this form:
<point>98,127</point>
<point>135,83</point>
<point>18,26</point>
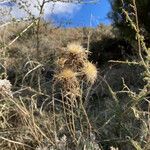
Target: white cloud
<point>49,8</point>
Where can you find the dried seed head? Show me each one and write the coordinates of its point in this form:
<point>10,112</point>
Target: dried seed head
<point>90,71</point>
<point>66,74</point>
<point>5,88</point>
<point>61,62</point>
<point>75,48</point>
<point>68,80</point>
<point>77,56</point>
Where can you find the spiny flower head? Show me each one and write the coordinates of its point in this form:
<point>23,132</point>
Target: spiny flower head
<point>66,74</point>
<point>77,50</point>
<point>90,71</point>
<point>67,78</point>
<point>5,87</point>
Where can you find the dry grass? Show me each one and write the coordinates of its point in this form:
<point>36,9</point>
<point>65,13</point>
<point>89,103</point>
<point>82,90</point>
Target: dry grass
<point>48,114</point>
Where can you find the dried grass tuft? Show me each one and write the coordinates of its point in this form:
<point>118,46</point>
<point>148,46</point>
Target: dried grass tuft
<point>90,71</point>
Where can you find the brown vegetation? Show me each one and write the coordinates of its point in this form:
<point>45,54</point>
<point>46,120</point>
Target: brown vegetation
<point>58,99</point>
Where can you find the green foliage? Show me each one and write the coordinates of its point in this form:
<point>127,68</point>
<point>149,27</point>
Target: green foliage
<point>119,19</point>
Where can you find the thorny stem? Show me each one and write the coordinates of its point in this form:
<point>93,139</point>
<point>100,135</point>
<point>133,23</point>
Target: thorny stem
<point>137,30</point>
<point>38,27</point>
<point>138,34</point>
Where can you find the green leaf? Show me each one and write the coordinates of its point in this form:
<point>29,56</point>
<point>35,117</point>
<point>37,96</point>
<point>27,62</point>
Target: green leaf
<point>136,145</point>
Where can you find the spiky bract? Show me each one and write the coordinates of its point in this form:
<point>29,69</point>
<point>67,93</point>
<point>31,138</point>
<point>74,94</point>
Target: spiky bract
<point>61,62</point>
<point>67,78</point>
<point>90,71</point>
<point>77,50</point>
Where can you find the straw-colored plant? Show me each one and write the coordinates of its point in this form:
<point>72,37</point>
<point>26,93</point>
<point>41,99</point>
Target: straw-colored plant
<point>72,66</point>
<point>5,88</point>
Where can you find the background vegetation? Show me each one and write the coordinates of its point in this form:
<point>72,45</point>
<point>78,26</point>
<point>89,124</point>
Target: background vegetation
<point>77,88</point>
<point>119,18</point>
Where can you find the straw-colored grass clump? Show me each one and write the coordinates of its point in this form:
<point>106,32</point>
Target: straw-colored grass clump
<point>90,71</point>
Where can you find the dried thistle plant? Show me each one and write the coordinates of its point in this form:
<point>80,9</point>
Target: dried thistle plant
<point>72,66</point>
<point>5,88</point>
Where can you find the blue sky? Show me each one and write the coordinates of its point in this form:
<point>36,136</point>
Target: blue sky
<point>89,15</point>
<point>73,15</point>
